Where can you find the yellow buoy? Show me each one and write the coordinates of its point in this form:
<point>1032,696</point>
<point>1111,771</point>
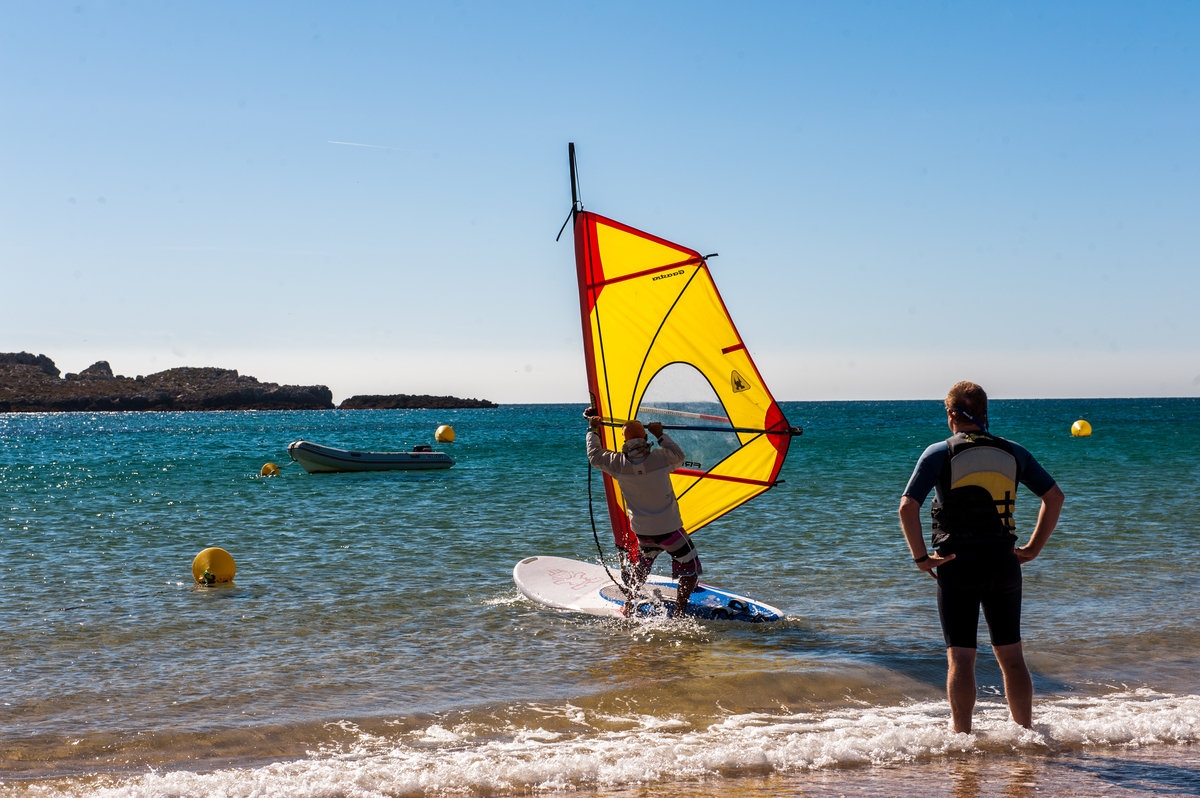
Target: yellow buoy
<point>444,434</point>
<point>1081,429</point>
<point>213,565</point>
<point>269,470</point>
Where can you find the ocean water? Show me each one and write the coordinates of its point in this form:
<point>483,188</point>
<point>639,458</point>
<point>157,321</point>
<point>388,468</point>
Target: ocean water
<point>373,643</point>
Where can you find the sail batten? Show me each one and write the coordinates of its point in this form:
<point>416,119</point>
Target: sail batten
<point>659,345</point>
<point>696,428</point>
<point>681,264</point>
<point>701,475</point>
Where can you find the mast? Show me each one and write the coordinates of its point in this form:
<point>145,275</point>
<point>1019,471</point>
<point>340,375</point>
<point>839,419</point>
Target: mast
<point>576,205</point>
<point>587,273</point>
<point>574,179</point>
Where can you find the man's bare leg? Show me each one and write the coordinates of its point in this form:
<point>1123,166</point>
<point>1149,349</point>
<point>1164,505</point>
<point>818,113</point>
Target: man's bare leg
<point>686,585</point>
<point>960,686</point>
<point>1018,684</point>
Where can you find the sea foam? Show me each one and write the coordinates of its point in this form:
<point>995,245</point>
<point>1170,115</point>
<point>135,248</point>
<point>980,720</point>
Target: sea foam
<point>477,759</point>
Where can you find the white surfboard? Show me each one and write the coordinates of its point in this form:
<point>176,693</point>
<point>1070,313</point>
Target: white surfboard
<point>597,590</point>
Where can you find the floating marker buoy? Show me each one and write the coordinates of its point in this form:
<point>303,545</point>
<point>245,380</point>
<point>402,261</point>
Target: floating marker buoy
<point>444,434</point>
<point>1081,429</point>
<point>213,565</point>
<point>269,470</point>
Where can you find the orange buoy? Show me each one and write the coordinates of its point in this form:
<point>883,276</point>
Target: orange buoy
<point>213,565</point>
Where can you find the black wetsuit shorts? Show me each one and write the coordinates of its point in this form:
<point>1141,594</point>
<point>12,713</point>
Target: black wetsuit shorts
<point>989,577</point>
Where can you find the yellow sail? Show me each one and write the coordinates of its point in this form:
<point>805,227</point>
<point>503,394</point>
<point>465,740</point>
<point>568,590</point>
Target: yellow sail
<point>660,346</point>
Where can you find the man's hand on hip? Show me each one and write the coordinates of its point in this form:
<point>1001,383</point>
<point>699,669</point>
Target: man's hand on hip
<point>933,562</point>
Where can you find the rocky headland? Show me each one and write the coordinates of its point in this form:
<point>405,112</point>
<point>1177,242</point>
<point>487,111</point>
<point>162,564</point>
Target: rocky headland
<point>31,384</point>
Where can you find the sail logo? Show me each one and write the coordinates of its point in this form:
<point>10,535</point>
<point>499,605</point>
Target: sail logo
<point>668,274</point>
<point>738,383</point>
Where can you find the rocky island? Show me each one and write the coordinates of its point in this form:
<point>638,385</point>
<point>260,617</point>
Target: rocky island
<point>31,384</point>
<point>403,401</point>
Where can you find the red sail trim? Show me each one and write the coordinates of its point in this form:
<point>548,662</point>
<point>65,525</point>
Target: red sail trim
<point>687,472</point>
<point>589,269</point>
<point>733,348</point>
<point>655,270</point>
<point>776,421</point>
<point>623,535</point>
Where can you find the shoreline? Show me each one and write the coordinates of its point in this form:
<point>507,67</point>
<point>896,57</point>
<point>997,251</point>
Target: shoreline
<point>589,746</point>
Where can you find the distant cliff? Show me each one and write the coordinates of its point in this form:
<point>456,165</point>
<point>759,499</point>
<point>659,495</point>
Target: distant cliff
<point>31,384</point>
<point>403,401</point>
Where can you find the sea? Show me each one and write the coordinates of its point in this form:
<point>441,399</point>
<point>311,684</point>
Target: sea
<point>373,643</point>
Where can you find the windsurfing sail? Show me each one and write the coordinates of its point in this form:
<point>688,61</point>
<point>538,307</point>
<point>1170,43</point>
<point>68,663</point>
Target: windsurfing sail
<point>659,345</point>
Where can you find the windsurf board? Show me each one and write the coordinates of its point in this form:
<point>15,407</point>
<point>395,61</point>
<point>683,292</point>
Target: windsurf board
<point>598,590</point>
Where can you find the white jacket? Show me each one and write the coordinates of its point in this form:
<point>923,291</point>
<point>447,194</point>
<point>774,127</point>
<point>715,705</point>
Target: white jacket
<point>645,483</point>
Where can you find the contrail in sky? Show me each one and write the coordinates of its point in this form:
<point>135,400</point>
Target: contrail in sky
<point>353,144</point>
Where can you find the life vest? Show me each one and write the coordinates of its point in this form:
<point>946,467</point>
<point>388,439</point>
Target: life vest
<point>978,489</point>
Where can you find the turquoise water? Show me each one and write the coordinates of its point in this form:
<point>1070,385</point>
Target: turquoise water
<point>373,642</point>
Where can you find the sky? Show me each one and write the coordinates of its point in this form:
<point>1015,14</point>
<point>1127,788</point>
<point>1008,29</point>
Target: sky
<point>366,195</point>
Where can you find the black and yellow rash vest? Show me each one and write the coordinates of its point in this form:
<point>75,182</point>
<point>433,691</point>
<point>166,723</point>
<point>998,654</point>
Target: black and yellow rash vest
<point>977,492</point>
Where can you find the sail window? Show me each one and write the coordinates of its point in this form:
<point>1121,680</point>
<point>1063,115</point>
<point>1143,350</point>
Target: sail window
<point>680,396</point>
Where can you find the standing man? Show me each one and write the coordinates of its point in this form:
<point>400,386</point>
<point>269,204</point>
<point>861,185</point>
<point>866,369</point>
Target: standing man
<point>974,475</point>
<point>645,480</point>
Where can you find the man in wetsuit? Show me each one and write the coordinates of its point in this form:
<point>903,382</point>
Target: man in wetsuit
<point>974,475</point>
<point>645,480</point>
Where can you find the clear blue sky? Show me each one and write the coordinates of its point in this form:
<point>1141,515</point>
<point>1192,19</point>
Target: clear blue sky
<point>902,194</point>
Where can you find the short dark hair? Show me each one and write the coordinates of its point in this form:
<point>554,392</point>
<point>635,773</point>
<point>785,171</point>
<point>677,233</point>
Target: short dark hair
<point>969,397</point>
